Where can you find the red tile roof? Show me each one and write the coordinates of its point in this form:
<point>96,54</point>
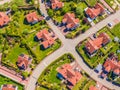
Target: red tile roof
<point>4,19</point>
<point>31,17</point>
<point>23,60</point>
<point>68,73</point>
<point>56,4</point>
<point>70,19</point>
<point>9,87</point>
<point>93,45</point>
<point>47,39</point>
<point>94,12</point>
<point>92,88</point>
<point>112,64</point>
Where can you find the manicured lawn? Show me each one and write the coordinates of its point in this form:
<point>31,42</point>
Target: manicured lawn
<point>97,58</point>
<point>116,30</point>
<point>80,84</point>
<point>49,74</point>
<point>5,80</point>
<point>91,2</point>
<point>74,7</point>
<point>90,83</point>
<point>13,53</point>
<point>112,4</point>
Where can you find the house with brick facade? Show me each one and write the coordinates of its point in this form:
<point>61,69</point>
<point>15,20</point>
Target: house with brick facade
<point>56,4</point>
<point>70,21</point>
<point>9,87</point>
<point>92,45</point>
<point>4,19</point>
<point>95,11</point>
<point>69,74</point>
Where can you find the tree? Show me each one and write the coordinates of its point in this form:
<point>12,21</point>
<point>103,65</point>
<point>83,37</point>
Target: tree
<point>14,7</point>
<point>50,12</point>
<point>79,11</point>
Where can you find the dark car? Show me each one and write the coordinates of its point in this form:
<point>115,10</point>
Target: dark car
<point>47,18</point>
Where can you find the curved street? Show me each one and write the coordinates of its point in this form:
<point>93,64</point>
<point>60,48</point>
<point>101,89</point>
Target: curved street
<point>68,46</point>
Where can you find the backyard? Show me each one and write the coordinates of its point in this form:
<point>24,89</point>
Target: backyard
<point>5,80</point>
<point>101,54</point>
<point>48,78</point>
<point>74,7</point>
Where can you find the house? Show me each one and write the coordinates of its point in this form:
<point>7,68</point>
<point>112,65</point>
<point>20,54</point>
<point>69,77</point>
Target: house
<point>56,4</point>
<point>95,11</point>
<point>33,18</point>
<point>98,86</point>
<point>46,38</point>
<point>4,19</point>
<point>93,45</point>
<point>23,61</point>
<point>9,87</point>
<point>112,64</point>
<point>72,76</point>
<point>70,21</point>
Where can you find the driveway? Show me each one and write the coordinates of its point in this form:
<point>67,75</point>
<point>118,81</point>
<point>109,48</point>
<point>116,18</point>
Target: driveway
<point>69,47</point>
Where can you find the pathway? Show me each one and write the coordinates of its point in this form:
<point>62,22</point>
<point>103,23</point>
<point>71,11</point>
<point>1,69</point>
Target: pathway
<point>69,47</point>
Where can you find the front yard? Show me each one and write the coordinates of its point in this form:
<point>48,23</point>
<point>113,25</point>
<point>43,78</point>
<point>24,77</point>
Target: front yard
<point>5,80</point>
<point>101,54</point>
<point>48,77</point>
<point>74,7</point>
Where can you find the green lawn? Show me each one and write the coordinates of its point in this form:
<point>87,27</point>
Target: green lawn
<point>13,53</point>
<point>112,4</point>
<point>116,30</point>
<point>49,74</point>
<point>74,7</point>
<point>80,84</point>
<point>91,2</point>
<point>90,83</point>
<point>5,80</point>
<point>97,58</point>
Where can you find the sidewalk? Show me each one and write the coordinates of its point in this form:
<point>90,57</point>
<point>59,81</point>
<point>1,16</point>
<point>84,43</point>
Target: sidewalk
<point>14,76</point>
<point>107,6</point>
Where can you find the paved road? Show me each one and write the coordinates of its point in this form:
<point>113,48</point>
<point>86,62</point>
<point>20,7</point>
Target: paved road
<point>4,1</point>
<point>69,47</point>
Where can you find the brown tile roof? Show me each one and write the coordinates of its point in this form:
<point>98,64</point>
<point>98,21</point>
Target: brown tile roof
<point>23,60</point>
<point>47,39</point>
<point>94,12</point>
<point>112,64</point>
<point>92,88</point>
<point>68,73</point>
<point>4,19</point>
<point>31,17</point>
<point>93,45</point>
<point>70,19</point>
<point>9,87</point>
<point>56,4</point>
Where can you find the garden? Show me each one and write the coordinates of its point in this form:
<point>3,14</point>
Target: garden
<point>101,55</point>
<point>74,7</point>
<point>5,80</point>
<point>18,36</point>
<point>113,4</point>
<point>48,77</point>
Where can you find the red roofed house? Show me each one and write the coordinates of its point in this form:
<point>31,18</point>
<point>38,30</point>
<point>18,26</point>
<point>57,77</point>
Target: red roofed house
<point>33,18</point>
<point>112,64</point>
<point>56,4</point>
<point>46,38</point>
<point>4,19</point>
<point>23,61</point>
<point>94,12</point>
<point>66,72</point>
<point>93,45</point>
<point>98,86</point>
<point>8,87</point>
<point>70,21</point>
